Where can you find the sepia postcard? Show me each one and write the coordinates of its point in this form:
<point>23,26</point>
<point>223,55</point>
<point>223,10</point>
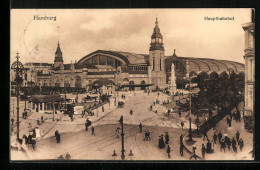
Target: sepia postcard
<point>132,84</point>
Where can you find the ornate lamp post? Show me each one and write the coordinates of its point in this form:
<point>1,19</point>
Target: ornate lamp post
<point>17,66</point>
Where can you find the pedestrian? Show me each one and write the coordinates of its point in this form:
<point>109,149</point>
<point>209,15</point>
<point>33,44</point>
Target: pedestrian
<point>68,156</point>
<point>151,107</point>
<point>131,112</point>
<point>86,125</point>
<point>229,123</point>
<point>179,113</point>
<point>235,149</point>
<point>227,120</point>
<point>219,136</point>
<point>148,135</point>
<point>241,144</point>
<point>166,138</point>
<point>12,121</point>
<point>93,130</point>
<point>57,135</point>
<point>205,134</point>
<point>228,143</point>
<point>117,131</point>
<point>169,112</point>
<point>42,119</point>
<point>181,149</point>
<point>103,108</point>
<point>193,155</point>
<point>155,111</point>
<point>234,143</point>
<point>182,124</point>
<point>141,127</point>
<point>203,151</point>
<point>215,137</point>
<point>237,136</point>
<point>145,135</point>
<point>181,139</point>
<point>34,134</point>
<point>168,151</point>
<point>222,145</point>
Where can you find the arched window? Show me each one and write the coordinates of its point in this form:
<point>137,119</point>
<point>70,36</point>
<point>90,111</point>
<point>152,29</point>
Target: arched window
<point>142,82</point>
<point>78,82</point>
<point>67,82</point>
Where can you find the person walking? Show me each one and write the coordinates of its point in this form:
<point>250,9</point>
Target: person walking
<point>12,121</point>
<point>237,136</point>
<point>219,136</point>
<point>222,145</point>
<point>203,151</point>
<point>227,120</point>
<point>155,111</point>
<point>93,130</point>
<point>228,143</point>
<point>179,113</point>
<point>166,138</point>
<point>168,151</point>
<point>241,144</point>
<point>141,127</point>
<point>234,143</point>
<point>181,139</point>
<point>57,135</point>
<point>215,137</point>
<point>182,124</point>
<point>42,119</point>
<point>103,109</point>
<point>181,149</point>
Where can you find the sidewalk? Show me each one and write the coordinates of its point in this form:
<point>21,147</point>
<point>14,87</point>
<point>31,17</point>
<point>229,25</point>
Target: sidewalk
<point>231,132</point>
<point>64,125</point>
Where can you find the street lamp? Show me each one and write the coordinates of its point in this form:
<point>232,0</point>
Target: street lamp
<point>122,135</point>
<point>190,130</point>
<point>17,66</point>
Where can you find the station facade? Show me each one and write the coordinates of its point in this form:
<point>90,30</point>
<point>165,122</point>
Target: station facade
<point>114,69</point>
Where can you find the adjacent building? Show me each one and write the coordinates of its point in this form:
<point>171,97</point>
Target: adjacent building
<point>249,57</point>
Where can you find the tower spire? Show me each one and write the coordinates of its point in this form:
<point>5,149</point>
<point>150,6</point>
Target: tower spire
<point>156,22</point>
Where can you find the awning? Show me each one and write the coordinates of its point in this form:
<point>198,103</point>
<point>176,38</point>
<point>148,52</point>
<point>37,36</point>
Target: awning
<point>46,98</point>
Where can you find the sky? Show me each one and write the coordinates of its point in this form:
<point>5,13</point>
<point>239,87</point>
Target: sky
<point>82,31</point>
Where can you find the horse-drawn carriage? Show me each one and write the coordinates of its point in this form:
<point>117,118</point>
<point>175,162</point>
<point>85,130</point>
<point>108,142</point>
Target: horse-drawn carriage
<point>121,104</point>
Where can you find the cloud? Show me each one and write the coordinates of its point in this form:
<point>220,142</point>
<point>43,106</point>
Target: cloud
<point>81,32</point>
